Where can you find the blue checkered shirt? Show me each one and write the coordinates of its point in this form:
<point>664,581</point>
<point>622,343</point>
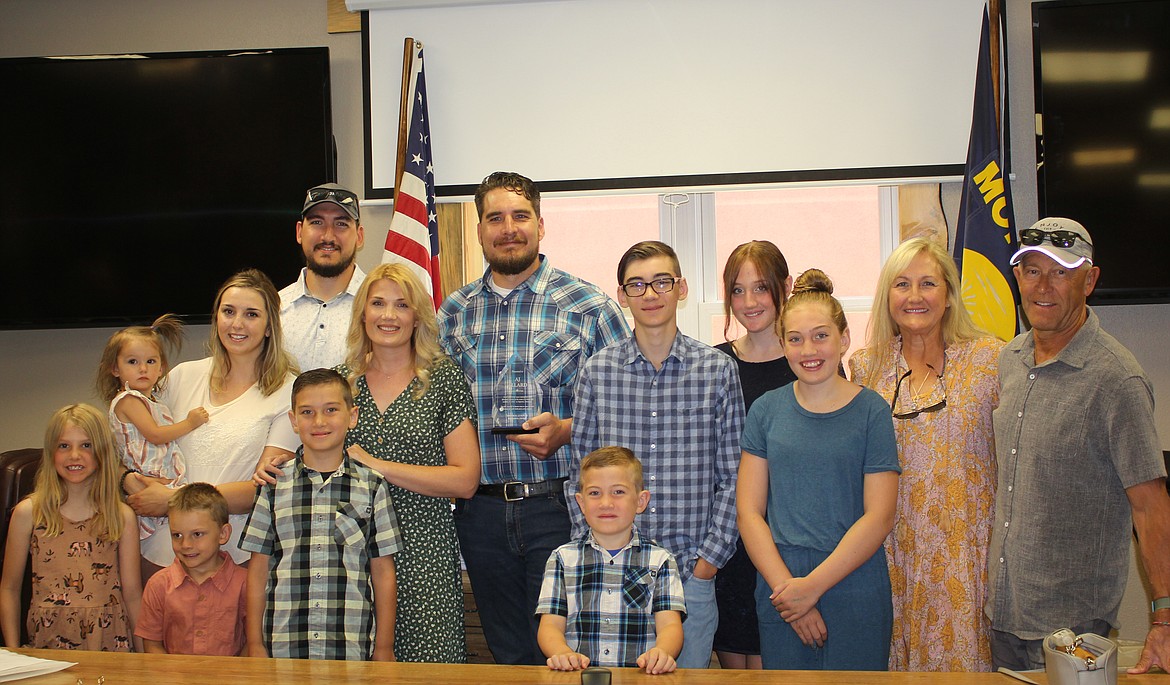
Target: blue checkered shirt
<point>609,601</point>
<point>321,534</point>
<point>684,423</point>
<point>555,322</point>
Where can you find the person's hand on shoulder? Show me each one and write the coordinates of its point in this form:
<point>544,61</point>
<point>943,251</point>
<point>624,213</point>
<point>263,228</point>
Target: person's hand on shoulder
<point>568,661</point>
<point>268,468</point>
<point>655,661</point>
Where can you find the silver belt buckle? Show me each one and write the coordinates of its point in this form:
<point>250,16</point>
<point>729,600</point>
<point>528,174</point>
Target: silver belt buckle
<point>509,498</point>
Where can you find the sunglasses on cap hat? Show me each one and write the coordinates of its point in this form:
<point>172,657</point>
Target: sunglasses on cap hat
<point>338,195</point>
<point>1034,236</point>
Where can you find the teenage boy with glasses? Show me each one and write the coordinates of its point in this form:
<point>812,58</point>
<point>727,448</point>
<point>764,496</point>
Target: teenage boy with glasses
<point>677,403</point>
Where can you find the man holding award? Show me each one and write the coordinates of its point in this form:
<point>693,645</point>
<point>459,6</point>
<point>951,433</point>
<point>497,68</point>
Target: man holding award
<point>520,334</point>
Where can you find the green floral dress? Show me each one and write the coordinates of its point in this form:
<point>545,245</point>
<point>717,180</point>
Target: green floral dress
<point>430,588</point>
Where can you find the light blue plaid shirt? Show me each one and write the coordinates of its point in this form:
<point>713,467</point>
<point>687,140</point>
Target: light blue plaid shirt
<point>683,422</point>
<point>554,322</point>
<point>609,600</point>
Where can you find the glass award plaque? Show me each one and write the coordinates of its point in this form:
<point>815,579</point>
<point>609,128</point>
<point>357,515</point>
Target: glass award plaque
<point>516,398</point>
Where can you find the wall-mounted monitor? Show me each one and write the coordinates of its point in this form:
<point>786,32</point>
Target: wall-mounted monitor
<point>1103,104</point>
<point>133,185</point>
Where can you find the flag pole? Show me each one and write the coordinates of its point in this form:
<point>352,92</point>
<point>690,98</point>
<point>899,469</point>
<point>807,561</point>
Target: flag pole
<point>403,113</point>
<point>993,12</point>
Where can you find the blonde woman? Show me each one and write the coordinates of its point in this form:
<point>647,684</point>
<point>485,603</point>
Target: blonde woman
<point>938,371</point>
<point>417,427</point>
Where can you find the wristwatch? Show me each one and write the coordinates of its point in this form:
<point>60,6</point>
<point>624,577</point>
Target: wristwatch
<point>1160,603</point>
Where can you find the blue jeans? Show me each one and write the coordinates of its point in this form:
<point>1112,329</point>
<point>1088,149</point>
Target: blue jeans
<point>702,620</point>
<point>857,611</point>
<point>506,546</point>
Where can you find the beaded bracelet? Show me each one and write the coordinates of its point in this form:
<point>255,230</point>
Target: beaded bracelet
<point>122,481</point>
<point>1160,623</point>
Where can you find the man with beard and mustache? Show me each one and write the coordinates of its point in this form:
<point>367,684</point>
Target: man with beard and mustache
<point>315,310</point>
<point>549,322</point>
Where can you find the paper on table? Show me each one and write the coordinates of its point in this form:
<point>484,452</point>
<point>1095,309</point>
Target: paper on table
<point>15,666</point>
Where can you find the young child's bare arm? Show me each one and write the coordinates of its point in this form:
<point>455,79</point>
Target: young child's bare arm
<point>134,410</point>
<point>385,582</point>
<point>15,561</point>
<point>130,569</point>
<point>153,647</point>
<point>668,643</point>
<point>257,602</point>
<point>551,638</point>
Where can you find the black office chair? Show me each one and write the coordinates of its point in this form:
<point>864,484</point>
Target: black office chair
<point>18,472</point>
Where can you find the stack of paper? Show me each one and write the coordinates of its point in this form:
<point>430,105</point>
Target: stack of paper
<point>15,666</point>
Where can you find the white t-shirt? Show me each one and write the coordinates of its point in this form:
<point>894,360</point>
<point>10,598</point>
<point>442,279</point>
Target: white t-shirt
<point>227,447</point>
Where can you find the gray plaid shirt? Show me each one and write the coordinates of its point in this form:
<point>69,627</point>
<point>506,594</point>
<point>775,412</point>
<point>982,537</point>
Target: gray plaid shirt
<point>321,533</point>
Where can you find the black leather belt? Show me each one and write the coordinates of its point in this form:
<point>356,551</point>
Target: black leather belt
<point>516,491</point>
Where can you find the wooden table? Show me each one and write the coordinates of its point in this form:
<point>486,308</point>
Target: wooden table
<point>152,669</point>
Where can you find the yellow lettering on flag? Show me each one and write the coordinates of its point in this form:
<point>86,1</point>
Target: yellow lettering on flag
<point>991,185</point>
<point>988,296</point>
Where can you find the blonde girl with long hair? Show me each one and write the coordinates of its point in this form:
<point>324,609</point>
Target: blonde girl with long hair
<point>82,542</point>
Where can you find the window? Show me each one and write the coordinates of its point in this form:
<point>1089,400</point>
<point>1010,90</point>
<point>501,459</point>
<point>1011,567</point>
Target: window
<point>845,230</point>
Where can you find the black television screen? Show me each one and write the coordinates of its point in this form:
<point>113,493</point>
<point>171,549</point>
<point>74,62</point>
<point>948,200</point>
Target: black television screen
<point>1103,100</point>
<point>134,185</point>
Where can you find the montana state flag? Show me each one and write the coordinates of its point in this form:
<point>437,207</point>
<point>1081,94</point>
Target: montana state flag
<point>986,239</point>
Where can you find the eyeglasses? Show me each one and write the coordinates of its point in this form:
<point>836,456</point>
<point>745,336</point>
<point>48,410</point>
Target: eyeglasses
<point>937,406</point>
<point>341,197</point>
<point>660,285</point>
<point>1034,236</point>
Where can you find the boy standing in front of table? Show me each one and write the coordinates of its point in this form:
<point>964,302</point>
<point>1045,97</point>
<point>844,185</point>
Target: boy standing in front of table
<point>321,581</point>
<point>610,593</point>
<point>676,402</point>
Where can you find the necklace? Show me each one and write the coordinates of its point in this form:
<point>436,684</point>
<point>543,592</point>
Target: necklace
<point>922,386</point>
<point>381,372</point>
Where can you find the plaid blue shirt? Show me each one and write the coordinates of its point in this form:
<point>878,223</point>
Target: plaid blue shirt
<point>554,322</point>
<point>684,423</point>
<point>609,601</point>
<point>321,534</point>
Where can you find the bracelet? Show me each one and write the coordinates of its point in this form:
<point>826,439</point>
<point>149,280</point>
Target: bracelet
<point>122,481</point>
<point>1159,623</point>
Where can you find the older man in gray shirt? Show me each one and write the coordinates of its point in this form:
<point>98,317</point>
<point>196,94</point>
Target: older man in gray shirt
<point>1079,464</point>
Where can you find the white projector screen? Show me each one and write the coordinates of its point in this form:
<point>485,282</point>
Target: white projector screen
<point>621,93</point>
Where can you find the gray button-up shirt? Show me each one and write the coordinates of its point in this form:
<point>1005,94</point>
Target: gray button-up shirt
<point>1071,435</point>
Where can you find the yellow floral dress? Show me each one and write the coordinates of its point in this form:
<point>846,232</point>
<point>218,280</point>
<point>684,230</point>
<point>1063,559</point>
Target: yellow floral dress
<point>938,550</point>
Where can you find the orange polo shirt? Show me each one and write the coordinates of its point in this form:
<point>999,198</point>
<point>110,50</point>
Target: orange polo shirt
<point>191,618</point>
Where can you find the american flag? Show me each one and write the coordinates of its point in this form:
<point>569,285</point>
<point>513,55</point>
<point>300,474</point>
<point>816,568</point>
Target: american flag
<point>413,238</point>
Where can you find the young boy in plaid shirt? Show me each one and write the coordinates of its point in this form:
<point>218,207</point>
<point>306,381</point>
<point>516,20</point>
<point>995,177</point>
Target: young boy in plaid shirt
<point>611,598</point>
<point>321,581</point>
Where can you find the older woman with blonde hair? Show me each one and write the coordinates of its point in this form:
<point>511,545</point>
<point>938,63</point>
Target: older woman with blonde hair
<point>938,371</point>
<point>417,427</point>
